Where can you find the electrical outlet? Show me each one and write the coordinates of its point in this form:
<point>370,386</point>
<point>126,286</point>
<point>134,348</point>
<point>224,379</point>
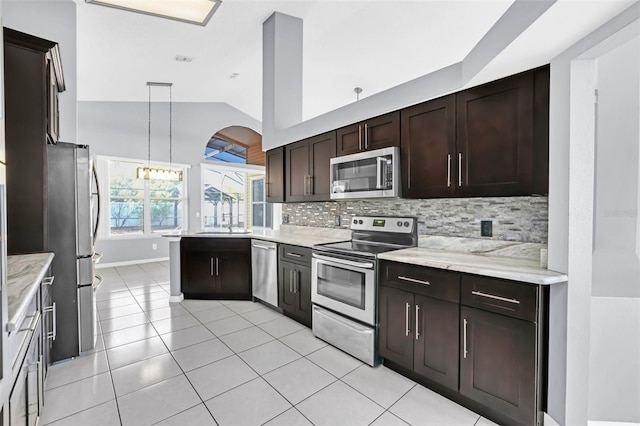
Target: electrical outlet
<point>285,218</point>
<point>154,246</point>
<point>336,220</point>
<point>486,228</point>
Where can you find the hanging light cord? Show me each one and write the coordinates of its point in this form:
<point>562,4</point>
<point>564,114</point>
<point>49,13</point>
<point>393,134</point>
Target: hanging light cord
<point>149,132</point>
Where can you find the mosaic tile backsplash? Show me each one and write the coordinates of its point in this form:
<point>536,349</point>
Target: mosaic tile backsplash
<point>514,218</point>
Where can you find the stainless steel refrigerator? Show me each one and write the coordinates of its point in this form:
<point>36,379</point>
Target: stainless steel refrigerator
<point>71,239</point>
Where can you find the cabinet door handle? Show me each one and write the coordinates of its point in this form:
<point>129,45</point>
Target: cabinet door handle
<point>48,280</point>
<point>459,169</point>
<point>359,137</point>
<point>448,170</point>
<point>417,321</point>
<point>310,185</point>
<point>267,185</point>
<point>406,319</point>
<point>52,334</point>
<point>295,282</point>
<point>366,136</point>
<point>217,267</point>
<point>491,296</point>
<point>413,280</point>
<point>464,339</point>
<point>32,324</point>
<point>211,266</point>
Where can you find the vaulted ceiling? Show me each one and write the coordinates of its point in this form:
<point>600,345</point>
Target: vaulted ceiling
<point>370,44</point>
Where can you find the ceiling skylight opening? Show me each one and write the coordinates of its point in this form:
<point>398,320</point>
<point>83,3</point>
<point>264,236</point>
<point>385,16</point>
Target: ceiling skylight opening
<point>191,11</point>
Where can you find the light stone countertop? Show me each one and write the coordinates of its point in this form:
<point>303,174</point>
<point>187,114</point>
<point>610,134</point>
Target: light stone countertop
<point>305,236</point>
<point>510,268</point>
<point>510,260</point>
<point>24,274</point>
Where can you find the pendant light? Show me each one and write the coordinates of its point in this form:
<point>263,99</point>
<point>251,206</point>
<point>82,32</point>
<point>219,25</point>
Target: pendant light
<point>159,173</point>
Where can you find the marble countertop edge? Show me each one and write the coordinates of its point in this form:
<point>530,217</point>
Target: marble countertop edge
<point>24,274</point>
<point>520,270</point>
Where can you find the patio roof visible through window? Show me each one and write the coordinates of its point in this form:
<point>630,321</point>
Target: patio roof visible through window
<point>221,150</point>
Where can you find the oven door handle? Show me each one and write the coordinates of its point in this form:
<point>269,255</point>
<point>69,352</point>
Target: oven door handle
<point>364,265</point>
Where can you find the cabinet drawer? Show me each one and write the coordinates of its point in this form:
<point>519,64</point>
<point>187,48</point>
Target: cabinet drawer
<point>430,282</point>
<point>501,296</point>
<point>229,243</point>
<point>296,254</point>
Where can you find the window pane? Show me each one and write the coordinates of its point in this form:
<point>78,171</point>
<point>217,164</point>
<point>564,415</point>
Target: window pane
<point>165,188</point>
<point>166,215</point>
<point>123,181</point>
<point>126,216</point>
<point>224,199</point>
<point>258,215</point>
<point>257,190</point>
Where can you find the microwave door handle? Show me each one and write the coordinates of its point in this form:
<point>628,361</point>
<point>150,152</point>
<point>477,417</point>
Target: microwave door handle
<point>381,168</point>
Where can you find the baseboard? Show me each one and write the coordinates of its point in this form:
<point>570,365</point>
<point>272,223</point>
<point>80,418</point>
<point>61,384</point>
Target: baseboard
<point>602,423</point>
<point>130,262</point>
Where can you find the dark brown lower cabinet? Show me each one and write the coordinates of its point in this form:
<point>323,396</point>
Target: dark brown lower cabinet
<point>294,282</point>
<point>498,363</point>
<point>295,291</point>
<point>420,333</point>
<point>216,268</point>
<point>480,341</point>
<point>26,399</point>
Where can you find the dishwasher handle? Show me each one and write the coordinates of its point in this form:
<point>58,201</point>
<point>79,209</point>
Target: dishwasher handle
<point>260,246</point>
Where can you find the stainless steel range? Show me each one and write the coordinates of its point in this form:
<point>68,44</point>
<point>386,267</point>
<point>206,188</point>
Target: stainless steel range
<point>344,283</point>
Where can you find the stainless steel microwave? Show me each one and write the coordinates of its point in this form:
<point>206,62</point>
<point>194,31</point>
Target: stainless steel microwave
<point>371,174</point>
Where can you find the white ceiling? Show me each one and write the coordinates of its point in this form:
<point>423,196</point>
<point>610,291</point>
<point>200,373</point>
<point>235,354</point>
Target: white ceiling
<point>372,44</point>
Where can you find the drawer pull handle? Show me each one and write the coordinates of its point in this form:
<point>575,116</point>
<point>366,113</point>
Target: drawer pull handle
<point>293,254</point>
<point>33,323</point>
<point>491,296</point>
<point>406,319</point>
<point>48,280</point>
<point>413,280</point>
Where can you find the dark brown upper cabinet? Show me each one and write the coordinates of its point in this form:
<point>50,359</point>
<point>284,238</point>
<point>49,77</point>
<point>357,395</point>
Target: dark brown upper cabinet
<point>307,168</point>
<point>427,149</point>
<point>490,140</point>
<point>375,133</point>
<point>274,185</point>
<point>32,80</point>
<point>495,138</point>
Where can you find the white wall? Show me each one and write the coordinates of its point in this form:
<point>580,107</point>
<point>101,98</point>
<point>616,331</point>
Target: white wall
<point>570,221</point>
<point>55,21</point>
<point>120,129</point>
<point>614,373</point>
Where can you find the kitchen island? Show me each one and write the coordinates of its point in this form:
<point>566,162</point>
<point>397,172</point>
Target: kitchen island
<point>304,236</point>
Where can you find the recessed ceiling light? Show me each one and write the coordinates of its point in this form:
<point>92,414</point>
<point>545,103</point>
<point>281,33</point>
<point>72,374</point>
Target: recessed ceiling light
<point>181,58</point>
<point>234,75</point>
<point>191,11</point>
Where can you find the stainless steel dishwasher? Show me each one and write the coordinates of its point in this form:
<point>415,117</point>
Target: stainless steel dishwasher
<point>264,271</point>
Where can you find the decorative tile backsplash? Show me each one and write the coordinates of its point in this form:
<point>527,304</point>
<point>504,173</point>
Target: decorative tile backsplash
<point>514,218</point>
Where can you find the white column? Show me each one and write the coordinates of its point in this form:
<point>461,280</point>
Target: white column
<point>281,72</point>
<point>174,270</point>
<point>581,189</point>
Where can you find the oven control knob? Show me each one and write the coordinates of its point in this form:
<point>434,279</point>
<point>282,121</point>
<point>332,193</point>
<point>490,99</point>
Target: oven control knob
<point>399,223</point>
<point>406,224</point>
<point>360,221</point>
<point>355,221</point>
